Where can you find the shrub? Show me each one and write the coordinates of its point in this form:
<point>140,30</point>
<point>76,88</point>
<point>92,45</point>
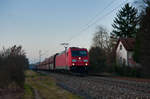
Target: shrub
<point>97,60</point>
<point>127,71</point>
<point>12,65</point>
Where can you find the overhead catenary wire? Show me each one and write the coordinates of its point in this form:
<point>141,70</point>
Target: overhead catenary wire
<point>92,22</point>
<point>97,20</point>
<point>99,13</point>
<point>93,18</point>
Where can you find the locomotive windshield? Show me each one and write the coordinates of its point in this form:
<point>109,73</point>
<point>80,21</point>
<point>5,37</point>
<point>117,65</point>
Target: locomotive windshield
<point>79,53</point>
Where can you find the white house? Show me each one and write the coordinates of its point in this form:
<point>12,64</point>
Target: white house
<point>124,51</point>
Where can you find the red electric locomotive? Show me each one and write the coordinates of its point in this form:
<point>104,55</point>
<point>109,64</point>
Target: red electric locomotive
<point>74,59</point>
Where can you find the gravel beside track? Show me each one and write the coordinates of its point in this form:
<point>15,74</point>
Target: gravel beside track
<point>103,87</point>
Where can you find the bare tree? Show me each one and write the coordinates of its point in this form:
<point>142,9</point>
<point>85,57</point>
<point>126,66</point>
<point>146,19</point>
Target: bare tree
<point>15,50</point>
<point>101,39</point>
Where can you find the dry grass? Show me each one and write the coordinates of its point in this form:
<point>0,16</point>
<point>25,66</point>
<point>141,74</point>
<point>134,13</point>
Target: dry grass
<point>45,86</point>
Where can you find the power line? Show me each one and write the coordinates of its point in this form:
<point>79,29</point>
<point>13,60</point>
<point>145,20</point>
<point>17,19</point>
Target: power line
<point>101,11</point>
<point>100,18</point>
<point>109,13</point>
<point>87,24</point>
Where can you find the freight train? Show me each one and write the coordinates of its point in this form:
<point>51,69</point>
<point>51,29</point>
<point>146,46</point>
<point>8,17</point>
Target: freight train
<point>73,59</point>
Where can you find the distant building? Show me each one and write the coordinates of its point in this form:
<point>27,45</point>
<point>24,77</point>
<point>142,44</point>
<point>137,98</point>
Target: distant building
<point>124,51</point>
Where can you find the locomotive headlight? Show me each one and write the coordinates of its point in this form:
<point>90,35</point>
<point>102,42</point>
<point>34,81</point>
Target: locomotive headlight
<point>85,60</point>
<point>86,64</point>
<point>79,58</point>
<point>73,60</point>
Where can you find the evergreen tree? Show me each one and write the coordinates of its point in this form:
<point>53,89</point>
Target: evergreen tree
<point>142,52</point>
<point>125,24</point>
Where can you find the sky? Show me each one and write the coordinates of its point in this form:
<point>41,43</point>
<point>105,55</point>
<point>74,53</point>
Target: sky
<point>42,25</point>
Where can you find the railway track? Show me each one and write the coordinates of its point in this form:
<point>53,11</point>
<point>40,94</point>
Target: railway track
<point>103,87</point>
<point>142,87</point>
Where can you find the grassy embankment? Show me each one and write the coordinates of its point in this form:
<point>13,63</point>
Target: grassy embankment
<point>44,87</point>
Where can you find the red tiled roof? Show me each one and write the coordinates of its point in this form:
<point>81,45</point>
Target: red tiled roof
<point>128,43</point>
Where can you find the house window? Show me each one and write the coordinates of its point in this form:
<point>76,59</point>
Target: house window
<point>120,60</point>
<point>120,47</point>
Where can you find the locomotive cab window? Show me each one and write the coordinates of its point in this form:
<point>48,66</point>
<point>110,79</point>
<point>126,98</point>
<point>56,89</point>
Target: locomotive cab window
<point>79,53</point>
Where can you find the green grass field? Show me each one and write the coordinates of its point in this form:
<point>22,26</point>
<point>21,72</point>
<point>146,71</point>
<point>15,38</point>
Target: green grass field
<point>44,87</point>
